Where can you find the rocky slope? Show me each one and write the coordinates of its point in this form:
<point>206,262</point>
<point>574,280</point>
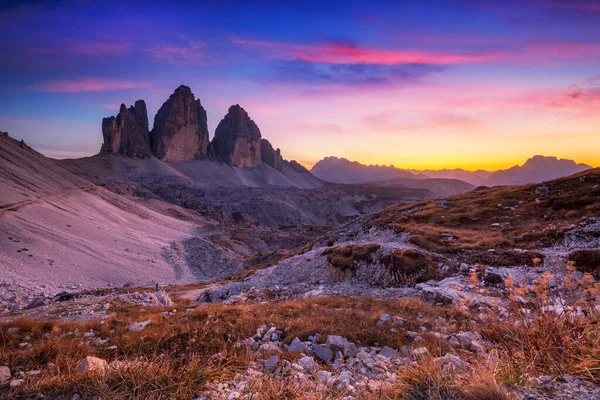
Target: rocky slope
<point>59,230</point>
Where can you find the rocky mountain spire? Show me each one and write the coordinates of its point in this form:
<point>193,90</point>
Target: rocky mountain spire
<point>127,133</point>
<point>180,130</point>
<point>271,157</point>
<point>237,139</point>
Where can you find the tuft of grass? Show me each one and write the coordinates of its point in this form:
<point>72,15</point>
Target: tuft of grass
<point>348,256</point>
<point>410,266</point>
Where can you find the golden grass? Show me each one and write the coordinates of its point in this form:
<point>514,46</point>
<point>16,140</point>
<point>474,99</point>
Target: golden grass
<point>531,216</point>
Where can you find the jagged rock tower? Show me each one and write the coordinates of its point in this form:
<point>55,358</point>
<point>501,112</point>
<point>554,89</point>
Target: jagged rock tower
<point>180,130</point>
<point>127,133</point>
<point>237,139</point>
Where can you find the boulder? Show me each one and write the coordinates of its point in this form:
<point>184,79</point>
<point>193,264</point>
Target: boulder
<point>180,130</point>
<point>92,364</point>
<point>237,139</point>
<point>127,133</point>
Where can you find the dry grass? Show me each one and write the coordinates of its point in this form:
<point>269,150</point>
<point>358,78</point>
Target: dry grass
<point>180,358</point>
<point>348,256</point>
<point>531,216</point>
<point>410,266</point>
<point>550,332</point>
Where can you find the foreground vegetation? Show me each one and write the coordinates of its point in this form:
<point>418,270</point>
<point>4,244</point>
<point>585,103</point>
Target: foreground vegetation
<point>186,349</point>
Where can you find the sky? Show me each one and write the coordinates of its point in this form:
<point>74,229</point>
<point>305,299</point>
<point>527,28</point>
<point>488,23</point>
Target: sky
<point>417,84</point>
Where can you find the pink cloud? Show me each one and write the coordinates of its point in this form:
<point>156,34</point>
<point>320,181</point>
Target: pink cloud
<point>340,53</point>
<point>386,122</point>
<point>529,53</point>
<point>88,85</point>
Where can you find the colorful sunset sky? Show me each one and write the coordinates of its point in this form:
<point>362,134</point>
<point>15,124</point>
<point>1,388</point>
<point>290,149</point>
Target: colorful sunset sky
<point>417,84</point>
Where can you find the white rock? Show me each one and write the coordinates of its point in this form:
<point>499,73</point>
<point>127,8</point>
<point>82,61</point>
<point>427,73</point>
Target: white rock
<point>309,364</point>
<point>16,383</point>
<point>138,326</point>
<point>92,364</point>
<point>421,352</point>
<point>5,375</point>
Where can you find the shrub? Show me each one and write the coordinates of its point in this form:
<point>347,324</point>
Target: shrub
<point>410,266</point>
<point>586,261</point>
<point>348,256</point>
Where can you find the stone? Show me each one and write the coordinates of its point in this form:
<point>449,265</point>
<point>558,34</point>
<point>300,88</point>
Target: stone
<point>237,140</point>
<point>92,364</point>
<point>296,345</point>
<point>270,156</point>
<point>388,352</point>
<point>545,379</point>
<point>180,130</point>
<point>323,352</point>
<point>37,302</point>
<point>335,343</point>
<point>15,383</point>
<point>450,363</point>
<point>384,319</point>
<point>12,330</point>
<point>421,352</point>
<point>350,350</point>
<point>323,375</point>
<point>5,375</point>
<point>127,133</point>
<point>345,378</point>
<point>271,363</point>
<point>138,326</point>
<point>309,364</point>
<point>269,346</point>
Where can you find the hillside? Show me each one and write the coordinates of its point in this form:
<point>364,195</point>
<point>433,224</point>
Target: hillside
<point>59,230</point>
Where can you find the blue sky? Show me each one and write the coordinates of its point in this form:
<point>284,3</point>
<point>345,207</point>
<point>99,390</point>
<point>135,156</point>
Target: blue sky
<point>416,84</point>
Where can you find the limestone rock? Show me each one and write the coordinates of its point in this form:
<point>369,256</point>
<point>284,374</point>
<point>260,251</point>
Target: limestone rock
<point>180,130</point>
<point>270,156</point>
<point>5,375</point>
<point>92,364</point>
<point>127,133</point>
<point>237,139</point>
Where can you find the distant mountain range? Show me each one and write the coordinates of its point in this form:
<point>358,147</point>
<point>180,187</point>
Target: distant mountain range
<point>534,170</point>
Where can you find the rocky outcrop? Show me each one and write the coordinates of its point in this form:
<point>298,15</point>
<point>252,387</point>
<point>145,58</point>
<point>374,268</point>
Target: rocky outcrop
<point>127,133</point>
<point>180,130</point>
<point>270,156</point>
<point>237,139</point>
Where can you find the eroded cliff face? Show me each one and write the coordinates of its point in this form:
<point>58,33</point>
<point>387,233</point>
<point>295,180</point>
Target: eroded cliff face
<point>127,133</point>
<point>180,130</point>
<point>237,139</point>
<point>180,133</point>
<point>270,156</point>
